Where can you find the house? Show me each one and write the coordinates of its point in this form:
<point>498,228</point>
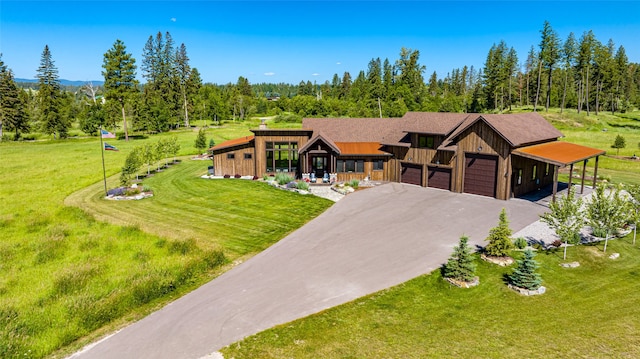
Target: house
<point>499,156</point>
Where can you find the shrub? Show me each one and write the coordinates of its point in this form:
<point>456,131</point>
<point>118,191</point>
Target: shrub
<point>237,176</point>
<point>227,176</point>
<point>557,243</point>
<point>303,185</point>
<point>288,118</point>
<point>265,177</point>
<point>354,183</point>
<point>520,243</point>
<point>283,178</point>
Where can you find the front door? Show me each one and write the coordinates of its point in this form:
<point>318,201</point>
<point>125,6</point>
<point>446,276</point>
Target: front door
<point>319,165</point>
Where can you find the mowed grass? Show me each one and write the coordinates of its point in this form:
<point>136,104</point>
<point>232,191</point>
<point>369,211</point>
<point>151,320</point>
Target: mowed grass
<point>588,312</point>
<point>67,277</point>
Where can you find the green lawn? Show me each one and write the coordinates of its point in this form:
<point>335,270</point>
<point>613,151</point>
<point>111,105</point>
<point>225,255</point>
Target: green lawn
<point>590,311</point>
<point>67,277</point>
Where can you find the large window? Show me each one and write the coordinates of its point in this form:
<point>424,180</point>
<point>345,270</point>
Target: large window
<point>349,165</point>
<point>282,156</point>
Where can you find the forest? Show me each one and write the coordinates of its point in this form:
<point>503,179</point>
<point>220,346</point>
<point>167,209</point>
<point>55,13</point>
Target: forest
<point>581,73</point>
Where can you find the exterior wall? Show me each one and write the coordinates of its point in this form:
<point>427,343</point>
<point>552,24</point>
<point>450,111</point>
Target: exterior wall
<point>262,137</point>
<point>222,165</point>
<point>480,138</point>
<point>377,175</point>
<point>418,156</point>
<point>529,182</point>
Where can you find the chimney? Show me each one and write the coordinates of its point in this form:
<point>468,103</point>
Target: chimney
<point>263,126</point>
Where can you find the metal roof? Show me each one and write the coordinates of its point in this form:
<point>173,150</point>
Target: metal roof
<point>231,143</point>
<point>360,148</point>
<point>559,153</point>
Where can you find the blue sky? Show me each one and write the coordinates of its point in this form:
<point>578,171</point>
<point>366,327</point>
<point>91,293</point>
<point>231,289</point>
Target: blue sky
<point>290,41</point>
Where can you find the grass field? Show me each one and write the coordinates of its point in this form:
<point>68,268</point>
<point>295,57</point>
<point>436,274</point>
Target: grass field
<point>66,276</point>
<point>588,312</point>
<point>72,272</point>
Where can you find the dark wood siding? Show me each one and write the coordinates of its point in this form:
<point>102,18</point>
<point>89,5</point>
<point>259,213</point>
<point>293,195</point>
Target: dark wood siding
<point>530,179</point>
<point>438,177</point>
<point>482,139</point>
<point>480,174</point>
<point>411,173</point>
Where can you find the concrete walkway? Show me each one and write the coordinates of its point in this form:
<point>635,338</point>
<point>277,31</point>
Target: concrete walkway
<point>368,241</point>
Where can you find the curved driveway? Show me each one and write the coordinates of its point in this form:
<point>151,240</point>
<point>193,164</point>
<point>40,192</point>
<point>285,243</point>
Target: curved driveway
<point>370,240</point>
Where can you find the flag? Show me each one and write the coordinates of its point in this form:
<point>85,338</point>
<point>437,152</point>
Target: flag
<point>107,134</point>
<point>108,147</point>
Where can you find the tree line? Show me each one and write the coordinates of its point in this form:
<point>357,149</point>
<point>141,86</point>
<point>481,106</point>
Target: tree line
<point>580,73</point>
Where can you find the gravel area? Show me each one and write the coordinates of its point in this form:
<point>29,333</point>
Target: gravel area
<point>326,192</point>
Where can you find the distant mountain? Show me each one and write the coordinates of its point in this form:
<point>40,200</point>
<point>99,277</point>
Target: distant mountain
<point>64,82</point>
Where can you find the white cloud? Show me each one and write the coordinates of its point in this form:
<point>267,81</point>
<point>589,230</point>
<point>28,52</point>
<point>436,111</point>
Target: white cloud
<point>269,73</point>
<point>173,19</point>
<point>338,63</point>
<point>315,74</point>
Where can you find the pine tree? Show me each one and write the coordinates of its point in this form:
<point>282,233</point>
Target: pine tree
<point>49,97</point>
<point>12,109</point>
<point>201,140</point>
<point>119,78</point>
<point>460,265</point>
<point>525,274</point>
<point>183,71</point>
<point>549,55</point>
<point>499,238</point>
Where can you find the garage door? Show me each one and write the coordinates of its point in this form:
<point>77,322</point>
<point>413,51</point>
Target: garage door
<point>480,174</point>
<point>439,178</point>
<point>411,174</point>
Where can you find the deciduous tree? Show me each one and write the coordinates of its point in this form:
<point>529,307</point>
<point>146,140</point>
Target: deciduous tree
<point>607,212</point>
<point>566,219</point>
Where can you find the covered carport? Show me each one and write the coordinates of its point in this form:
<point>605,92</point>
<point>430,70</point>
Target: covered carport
<point>562,154</point>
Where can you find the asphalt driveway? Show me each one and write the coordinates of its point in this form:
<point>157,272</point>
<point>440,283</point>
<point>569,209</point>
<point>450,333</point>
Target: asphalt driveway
<point>368,241</point>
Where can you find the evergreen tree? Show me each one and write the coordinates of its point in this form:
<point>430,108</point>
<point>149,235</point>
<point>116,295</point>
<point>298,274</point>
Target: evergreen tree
<point>619,143</point>
<point>12,108</point>
<point>549,55</point>
<point>525,274</point>
<point>183,71</point>
<point>410,77</point>
<point>460,265</point>
<point>119,78</point>
<point>566,219</point>
<point>499,238</point>
<point>569,51</point>
<point>49,97</point>
<point>201,140</point>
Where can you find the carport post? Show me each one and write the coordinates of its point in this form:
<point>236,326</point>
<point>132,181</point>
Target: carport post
<point>584,167</point>
<point>556,168</point>
<point>595,173</point>
<point>570,179</point>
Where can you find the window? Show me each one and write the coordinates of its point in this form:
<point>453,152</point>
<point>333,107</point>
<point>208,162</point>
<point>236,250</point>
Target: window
<point>426,142</point>
<point>547,169</point>
<point>534,172</point>
<point>231,156</point>
<point>378,165</point>
<point>247,156</point>
<point>518,176</point>
<point>349,165</point>
<point>282,156</point>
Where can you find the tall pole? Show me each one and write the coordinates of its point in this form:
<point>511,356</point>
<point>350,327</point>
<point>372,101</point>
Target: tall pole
<point>104,172</point>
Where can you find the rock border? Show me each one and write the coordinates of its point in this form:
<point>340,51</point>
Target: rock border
<point>462,284</point>
<point>526,292</point>
<point>501,261</point>
<point>570,265</point>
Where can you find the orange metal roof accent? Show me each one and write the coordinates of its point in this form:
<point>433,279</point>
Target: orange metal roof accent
<point>360,148</point>
<point>234,142</point>
<point>558,152</point>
